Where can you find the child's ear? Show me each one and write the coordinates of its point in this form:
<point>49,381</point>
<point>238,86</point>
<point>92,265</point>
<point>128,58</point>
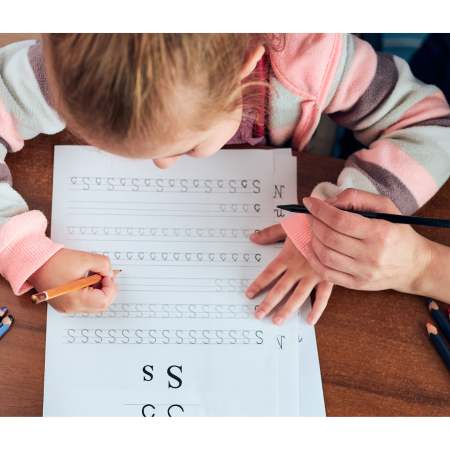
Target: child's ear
<point>251,62</point>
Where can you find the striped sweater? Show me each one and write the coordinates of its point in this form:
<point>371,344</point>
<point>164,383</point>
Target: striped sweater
<point>404,124</point>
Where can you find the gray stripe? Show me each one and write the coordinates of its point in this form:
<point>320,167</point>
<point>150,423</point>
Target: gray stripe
<point>6,145</point>
<point>5,174</point>
<point>386,183</point>
<point>443,121</point>
<point>380,88</point>
<point>36,59</point>
<point>347,57</point>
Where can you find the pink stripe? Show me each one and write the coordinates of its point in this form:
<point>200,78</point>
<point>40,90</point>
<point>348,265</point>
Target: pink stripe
<point>430,107</point>
<point>8,131</point>
<point>413,175</point>
<point>24,248</point>
<point>357,80</point>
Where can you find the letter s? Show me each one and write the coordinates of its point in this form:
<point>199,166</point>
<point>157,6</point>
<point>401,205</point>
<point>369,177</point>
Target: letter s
<point>147,373</point>
<point>175,377</point>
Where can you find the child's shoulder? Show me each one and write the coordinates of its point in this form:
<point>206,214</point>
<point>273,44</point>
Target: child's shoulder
<point>306,62</point>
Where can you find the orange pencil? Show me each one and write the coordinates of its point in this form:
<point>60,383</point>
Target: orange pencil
<point>65,289</point>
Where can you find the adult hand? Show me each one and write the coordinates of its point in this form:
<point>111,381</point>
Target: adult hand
<point>361,253</point>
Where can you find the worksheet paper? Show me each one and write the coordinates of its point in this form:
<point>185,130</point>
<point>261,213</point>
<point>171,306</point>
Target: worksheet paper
<point>310,382</point>
<point>181,338</point>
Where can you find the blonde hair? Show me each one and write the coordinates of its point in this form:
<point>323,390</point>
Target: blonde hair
<point>151,86</point>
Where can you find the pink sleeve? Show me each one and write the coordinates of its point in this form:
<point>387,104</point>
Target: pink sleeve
<point>24,248</point>
<point>297,228</point>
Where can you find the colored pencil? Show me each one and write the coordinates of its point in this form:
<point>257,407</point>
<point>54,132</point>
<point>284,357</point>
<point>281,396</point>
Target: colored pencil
<point>393,218</point>
<point>66,288</point>
<point>439,344</point>
<point>6,324</point>
<point>441,321</point>
<point>3,311</point>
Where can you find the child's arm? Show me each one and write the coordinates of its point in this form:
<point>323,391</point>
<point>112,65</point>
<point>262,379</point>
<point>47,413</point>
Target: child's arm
<point>404,124</point>
<point>26,109</point>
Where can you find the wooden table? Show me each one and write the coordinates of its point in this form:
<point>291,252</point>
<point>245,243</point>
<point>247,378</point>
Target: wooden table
<point>375,355</point>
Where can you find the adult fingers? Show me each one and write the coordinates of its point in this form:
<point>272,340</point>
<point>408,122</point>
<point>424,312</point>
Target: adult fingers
<point>323,292</point>
<point>269,235</point>
<point>332,239</point>
<point>327,274</point>
<point>267,276</point>
<point>357,200</point>
<point>331,258</point>
<point>344,222</point>
<point>296,300</point>
<point>276,294</point>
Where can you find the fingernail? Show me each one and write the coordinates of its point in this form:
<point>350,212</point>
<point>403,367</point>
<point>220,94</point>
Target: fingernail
<point>307,202</point>
<point>250,294</point>
<point>253,236</point>
<point>277,320</point>
<point>4,308</point>
<point>111,274</point>
<point>259,314</point>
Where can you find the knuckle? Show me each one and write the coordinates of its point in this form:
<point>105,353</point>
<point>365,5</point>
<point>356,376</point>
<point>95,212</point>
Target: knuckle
<point>329,238</point>
<point>268,274</point>
<point>337,221</point>
<point>280,289</point>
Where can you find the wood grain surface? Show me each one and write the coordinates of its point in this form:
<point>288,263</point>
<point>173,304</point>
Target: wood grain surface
<point>375,355</point>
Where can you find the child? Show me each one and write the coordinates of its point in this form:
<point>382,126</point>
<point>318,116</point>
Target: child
<point>159,96</point>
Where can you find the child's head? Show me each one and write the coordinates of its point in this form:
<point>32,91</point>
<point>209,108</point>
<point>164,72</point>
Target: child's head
<point>155,95</point>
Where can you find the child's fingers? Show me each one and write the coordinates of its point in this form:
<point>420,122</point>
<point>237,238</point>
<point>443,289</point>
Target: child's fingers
<point>296,300</point>
<point>331,258</point>
<point>276,294</point>
<point>323,292</point>
<point>327,274</point>
<point>267,276</point>
<point>98,300</point>
<point>100,264</point>
<point>332,239</point>
<point>269,235</point>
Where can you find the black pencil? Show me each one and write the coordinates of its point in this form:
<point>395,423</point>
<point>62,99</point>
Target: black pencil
<point>439,344</point>
<point>441,321</point>
<point>393,218</point>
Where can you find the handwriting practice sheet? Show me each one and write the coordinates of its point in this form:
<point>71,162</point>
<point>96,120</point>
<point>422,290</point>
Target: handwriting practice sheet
<point>310,382</point>
<point>181,338</point>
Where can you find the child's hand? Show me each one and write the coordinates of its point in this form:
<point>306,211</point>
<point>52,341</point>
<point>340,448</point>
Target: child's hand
<point>361,253</point>
<point>66,266</point>
<point>294,270</point>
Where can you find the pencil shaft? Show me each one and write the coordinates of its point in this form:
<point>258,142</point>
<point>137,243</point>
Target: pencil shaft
<point>442,322</point>
<point>69,287</point>
<point>441,348</point>
<point>393,218</point>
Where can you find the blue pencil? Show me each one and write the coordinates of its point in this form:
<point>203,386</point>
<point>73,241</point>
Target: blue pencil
<point>6,324</point>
